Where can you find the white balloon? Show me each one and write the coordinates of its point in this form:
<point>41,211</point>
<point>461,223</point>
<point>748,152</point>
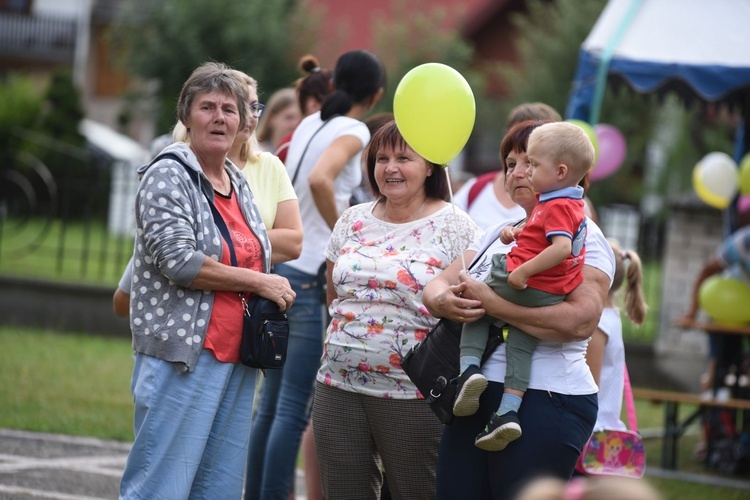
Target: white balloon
<point>718,174</point>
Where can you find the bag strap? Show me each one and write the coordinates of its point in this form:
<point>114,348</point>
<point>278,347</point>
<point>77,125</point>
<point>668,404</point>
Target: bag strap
<point>304,151</point>
<point>489,240</point>
<point>477,187</point>
<point>219,221</point>
<point>627,392</point>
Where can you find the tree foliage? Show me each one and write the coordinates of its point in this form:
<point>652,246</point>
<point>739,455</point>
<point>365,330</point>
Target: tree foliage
<point>417,39</point>
<point>19,108</point>
<point>58,144</point>
<point>63,110</point>
<point>550,34</point>
<point>164,41</point>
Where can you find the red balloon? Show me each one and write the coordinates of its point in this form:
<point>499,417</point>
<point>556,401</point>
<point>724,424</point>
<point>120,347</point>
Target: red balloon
<point>612,151</point>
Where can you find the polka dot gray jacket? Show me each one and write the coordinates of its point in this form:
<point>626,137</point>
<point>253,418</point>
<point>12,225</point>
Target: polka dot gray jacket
<point>175,233</point>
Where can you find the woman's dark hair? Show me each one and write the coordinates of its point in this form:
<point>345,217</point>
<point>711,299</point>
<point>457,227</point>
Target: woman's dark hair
<point>389,137</point>
<point>517,138</point>
<point>316,83</point>
<point>357,77</point>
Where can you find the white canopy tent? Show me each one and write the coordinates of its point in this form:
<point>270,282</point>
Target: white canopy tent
<point>697,48</point>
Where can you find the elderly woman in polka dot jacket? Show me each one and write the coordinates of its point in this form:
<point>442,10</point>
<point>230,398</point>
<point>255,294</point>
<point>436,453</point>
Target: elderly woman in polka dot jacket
<point>192,396</point>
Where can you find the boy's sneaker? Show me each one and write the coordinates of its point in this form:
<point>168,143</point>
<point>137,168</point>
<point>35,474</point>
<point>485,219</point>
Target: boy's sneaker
<point>471,385</point>
<point>502,430</point>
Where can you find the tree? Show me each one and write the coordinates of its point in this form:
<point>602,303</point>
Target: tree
<point>163,42</point>
<point>550,35</point>
<point>63,110</point>
<point>59,145</point>
<point>416,39</point>
<point>19,108</point>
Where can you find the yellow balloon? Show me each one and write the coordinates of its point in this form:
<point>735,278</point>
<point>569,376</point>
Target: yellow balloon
<point>589,132</point>
<point>435,110</point>
<point>725,300</point>
<point>745,174</point>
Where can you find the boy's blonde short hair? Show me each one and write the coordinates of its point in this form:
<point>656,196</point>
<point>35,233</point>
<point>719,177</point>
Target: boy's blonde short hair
<point>564,143</point>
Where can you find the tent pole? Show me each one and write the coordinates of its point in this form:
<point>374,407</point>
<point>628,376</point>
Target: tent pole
<point>609,50</point>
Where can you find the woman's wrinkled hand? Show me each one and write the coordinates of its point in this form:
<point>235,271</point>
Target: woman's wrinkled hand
<point>453,304</point>
<point>277,289</point>
<point>477,291</point>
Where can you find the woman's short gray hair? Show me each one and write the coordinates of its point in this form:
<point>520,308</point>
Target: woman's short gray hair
<point>211,77</point>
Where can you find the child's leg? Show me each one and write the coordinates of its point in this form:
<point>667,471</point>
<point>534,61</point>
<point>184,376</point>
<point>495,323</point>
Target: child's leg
<point>505,427</point>
<point>473,342</point>
<point>471,382</point>
<point>518,351</point>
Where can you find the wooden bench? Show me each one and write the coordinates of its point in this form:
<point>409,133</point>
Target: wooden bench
<point>673,428</point>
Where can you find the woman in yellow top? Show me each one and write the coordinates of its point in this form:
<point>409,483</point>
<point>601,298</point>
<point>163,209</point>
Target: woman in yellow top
<point>270,184</point>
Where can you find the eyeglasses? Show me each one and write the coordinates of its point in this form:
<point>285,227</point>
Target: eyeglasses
<point>256,109</point>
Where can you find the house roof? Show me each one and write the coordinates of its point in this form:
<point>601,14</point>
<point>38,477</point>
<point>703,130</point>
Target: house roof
<point>112,143</point>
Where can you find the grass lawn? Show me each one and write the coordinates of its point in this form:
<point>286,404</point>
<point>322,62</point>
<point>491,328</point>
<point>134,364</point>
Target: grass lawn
<point>80,385</point>
<point>66,383</point>
<point>649,330</point>
<point>75,252</point>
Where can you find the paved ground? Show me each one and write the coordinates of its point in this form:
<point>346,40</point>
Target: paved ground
<point>34,465</point>
<point>56,467</point>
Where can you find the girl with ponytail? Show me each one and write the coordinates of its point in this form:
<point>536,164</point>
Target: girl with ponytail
<point>606,352</point>
<point>324,165</point>
<point>311,89</point>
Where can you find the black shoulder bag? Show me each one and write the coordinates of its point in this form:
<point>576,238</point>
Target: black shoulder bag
<point>265,329</point>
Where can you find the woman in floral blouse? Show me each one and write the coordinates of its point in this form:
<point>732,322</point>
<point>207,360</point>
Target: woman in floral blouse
<point>367,414</point>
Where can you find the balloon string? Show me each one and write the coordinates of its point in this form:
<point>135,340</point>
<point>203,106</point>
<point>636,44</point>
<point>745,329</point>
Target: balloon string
<point>455,216</point>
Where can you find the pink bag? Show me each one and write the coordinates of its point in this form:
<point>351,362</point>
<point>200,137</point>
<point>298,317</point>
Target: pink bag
<point>615,453</point>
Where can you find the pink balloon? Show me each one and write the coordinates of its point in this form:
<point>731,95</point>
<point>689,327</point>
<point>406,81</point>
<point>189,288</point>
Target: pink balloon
<point>743,203</point>
<point>612,150</point>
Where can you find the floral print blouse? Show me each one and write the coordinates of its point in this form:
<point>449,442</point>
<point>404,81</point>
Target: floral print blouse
<point>379,274</point>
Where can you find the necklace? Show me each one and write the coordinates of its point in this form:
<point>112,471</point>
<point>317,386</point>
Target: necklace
<point>413,217</point>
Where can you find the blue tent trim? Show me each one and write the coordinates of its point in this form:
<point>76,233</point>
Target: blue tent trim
<point>710,83</point>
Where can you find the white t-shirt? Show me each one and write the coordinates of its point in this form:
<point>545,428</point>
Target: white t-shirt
<point>555,366</point>
<point>486,210</point>
<point>611,379</point>
<point>317,232</point>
